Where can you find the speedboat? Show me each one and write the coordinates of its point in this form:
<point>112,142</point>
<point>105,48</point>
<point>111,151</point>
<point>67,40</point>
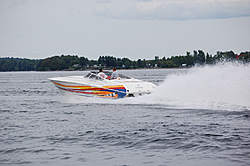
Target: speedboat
<point>91,85</point>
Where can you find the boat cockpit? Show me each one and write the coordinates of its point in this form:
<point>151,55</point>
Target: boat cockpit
<point>94,75</point>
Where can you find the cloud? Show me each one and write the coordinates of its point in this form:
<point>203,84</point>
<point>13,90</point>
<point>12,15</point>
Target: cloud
<point>175,9</point>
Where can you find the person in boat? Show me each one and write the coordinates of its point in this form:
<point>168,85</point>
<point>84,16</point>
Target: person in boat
<point>101,74</point>
<point>115,74</point>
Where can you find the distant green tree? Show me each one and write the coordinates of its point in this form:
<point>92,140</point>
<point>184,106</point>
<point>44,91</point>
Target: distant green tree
<point>119,62</point>
<point>134,64</point>
<point>189,59</point>
<point>170,64</point>
<point>229,55</point>
<point>92,63</point>
<point>201,57</point>
<point>209,59</point>
<point>102,60</point>
<point>54,64</point>
<point>7,66</point>
<point>83,61</point>
<point>109,61</point>
<point>74,62</point>
<point>159,64</point>
<point>126,62</point>
<point>196,59</point>
<point>144,63</point>
<point>63,65</point>
<point>139,63</point>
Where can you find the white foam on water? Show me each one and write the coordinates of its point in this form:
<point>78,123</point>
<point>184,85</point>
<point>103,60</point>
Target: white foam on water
<point>222,86</point>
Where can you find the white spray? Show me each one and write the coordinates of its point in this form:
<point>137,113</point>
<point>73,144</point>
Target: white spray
<point>222,83</point>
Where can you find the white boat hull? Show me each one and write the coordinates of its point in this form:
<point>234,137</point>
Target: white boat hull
<point>117,88</point>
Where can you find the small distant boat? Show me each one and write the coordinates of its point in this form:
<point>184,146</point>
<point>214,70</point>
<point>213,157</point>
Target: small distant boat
<point>92,85</point>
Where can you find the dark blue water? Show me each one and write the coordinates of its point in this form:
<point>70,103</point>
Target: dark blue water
<point>190,120</point>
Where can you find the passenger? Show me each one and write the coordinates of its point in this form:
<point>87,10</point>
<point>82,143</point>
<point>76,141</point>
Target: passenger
<point>101,74</point>
<point>115,74</point>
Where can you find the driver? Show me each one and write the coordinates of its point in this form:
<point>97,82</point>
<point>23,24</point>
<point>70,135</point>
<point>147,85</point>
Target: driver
<point>101,74</point>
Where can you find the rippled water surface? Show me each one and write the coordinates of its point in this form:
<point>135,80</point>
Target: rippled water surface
<point>198,116</point>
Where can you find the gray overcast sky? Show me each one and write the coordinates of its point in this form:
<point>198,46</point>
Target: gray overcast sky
<point>122,28</point>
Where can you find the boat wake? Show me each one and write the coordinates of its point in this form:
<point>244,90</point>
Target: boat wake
<point>221,86</point>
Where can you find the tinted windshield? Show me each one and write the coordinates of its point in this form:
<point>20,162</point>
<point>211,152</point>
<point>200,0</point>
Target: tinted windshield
<point>87,75</point>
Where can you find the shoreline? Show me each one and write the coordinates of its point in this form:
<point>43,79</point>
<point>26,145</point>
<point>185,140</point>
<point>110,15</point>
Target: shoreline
<point>98,69</point>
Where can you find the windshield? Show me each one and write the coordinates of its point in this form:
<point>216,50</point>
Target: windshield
<point>108,73</point>
<point>93,75</point>
<point>87,75</point>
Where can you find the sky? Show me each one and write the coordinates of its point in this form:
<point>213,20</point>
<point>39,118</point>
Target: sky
<point>135,29</point>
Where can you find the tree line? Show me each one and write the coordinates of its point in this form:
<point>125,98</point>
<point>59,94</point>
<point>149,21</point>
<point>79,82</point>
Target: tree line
<point>73,62</point>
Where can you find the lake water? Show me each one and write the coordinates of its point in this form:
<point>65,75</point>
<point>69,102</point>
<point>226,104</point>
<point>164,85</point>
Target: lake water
<point>198,116</point>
